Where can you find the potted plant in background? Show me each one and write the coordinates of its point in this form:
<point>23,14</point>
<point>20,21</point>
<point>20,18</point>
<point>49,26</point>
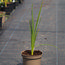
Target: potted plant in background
<point>5,7</point>
<point>2,5</point>
<point>8,7</point>
<point>11,4</point>
<point>14,4</point>
<point>2,19</point>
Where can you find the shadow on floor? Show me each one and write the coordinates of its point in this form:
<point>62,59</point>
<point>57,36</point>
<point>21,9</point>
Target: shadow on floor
<point>20,64</point>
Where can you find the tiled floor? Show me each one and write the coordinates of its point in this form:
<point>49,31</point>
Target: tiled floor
<point>16,36</point>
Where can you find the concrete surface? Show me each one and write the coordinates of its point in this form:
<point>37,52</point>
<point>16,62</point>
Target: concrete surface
<point>15,37</point>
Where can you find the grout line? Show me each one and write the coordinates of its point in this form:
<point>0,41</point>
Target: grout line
<point>56,32</point>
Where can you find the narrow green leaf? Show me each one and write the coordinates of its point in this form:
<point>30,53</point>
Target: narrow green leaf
<point>46,45</point>
<point>32,20</point>
<point>36,34</point>
<point>30,26</point>
<point>32,30</point>
<point>38,18</point>
<point>37,31</point>
<point>32,35</point>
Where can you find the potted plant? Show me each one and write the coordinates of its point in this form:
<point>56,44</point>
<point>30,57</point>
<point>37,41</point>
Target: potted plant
<point>2,19</point>
<point>8,7</point>
<point>2,6</point>
<point>14,5</point>
<point>11,4</point>
<point>32,57</point>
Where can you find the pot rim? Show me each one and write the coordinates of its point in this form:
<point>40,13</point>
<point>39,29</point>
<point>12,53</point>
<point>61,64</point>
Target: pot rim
<point>30,55</point>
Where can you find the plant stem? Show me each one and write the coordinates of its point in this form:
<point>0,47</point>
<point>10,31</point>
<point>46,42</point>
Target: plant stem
<point>31,52</point>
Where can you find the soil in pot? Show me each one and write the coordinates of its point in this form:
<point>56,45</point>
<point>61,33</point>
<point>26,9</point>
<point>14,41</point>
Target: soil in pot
<point>29,59</point>
<point>28,53</point>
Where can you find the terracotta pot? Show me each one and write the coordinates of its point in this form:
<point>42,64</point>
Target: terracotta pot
<point>31,60</point>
